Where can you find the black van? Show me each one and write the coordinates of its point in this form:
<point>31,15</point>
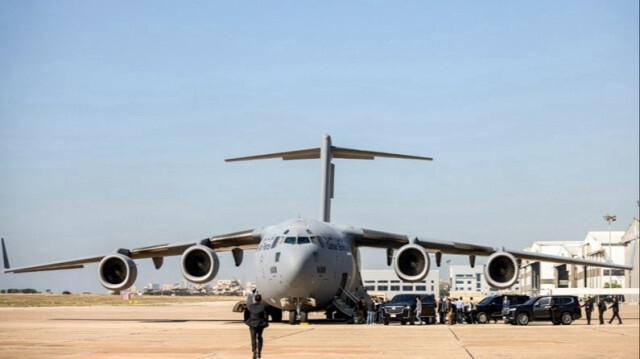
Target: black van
<point>490,308</point>
<point>401,308</point>
<point>559,309</point>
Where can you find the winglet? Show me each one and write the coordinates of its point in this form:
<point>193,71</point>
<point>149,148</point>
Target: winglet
<point>4,256</point>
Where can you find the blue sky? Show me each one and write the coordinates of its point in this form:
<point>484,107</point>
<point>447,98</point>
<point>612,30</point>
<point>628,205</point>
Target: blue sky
<point>115,119</point>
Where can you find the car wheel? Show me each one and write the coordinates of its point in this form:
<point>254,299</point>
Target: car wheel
<point>386,322</point>
<point>522,319</point>
<point>403,322</point>
<point>566,318</point>
<point>482,318</point>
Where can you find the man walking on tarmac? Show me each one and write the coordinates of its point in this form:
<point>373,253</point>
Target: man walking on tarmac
<point>588,308</point>
<point>602,307</point>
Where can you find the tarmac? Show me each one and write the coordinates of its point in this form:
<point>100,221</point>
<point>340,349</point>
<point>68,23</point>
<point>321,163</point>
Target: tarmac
<point>212,330</point>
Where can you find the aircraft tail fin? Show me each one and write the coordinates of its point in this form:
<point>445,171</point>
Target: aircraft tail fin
<point>5,257</point>
<point>326,153</point>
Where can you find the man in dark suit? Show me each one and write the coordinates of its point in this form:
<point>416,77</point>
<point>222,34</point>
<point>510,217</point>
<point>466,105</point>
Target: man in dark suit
<point>602,307</point>
<point>588,308</point>
<point>615,308</point>
<point>257,321</point>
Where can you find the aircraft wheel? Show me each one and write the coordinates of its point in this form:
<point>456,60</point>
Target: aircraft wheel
<point>304,316</point>
<point>276,315</point>
<point>292,317</point>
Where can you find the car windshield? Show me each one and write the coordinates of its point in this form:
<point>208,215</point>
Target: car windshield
<point>486,301</point>
<point>531,301</point>
<point>403,298</point>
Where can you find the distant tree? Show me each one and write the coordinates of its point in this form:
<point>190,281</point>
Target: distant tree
<point>29,291</point>
<point>66,292</point>
<point>444,292</point>
<point>3,291</point>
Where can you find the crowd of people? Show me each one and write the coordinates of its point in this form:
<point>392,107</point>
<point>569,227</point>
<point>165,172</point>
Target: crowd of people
<point>454,311</point>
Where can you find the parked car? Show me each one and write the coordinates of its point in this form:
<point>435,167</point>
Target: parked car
<point>490,308</point>
<point>565,309</point>
<point>402,307</point>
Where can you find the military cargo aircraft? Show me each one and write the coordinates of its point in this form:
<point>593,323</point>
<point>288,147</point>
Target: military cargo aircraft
<point>305,265</point>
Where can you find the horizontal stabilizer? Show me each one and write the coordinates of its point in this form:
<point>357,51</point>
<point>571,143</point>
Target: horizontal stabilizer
<point>336,152</point>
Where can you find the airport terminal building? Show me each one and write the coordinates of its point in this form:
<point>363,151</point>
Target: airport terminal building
<point>621,247</point>
<point>387,282</point>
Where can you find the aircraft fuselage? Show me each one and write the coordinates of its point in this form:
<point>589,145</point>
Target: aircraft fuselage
<point>302,264</point>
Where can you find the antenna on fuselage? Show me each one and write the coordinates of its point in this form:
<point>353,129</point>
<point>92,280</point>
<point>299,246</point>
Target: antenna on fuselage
<point>326,153</point>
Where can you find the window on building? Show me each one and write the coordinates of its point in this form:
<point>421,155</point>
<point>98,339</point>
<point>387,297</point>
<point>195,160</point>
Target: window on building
<point>383,288</point>
<point>421,288</point>
<point>408,288</point>
<point>395,288</point>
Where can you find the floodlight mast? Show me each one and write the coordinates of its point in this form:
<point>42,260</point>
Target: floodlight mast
<point>610,218</point>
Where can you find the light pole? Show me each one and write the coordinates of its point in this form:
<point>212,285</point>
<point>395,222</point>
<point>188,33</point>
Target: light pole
<point>610,218</point>
<point>450,280</point>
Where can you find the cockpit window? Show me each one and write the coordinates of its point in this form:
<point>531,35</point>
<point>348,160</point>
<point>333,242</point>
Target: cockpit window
<point>303,240</point>
<point>315,241</point>
<point>290,240</point>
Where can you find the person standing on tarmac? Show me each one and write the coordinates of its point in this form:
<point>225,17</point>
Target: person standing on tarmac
<point>588,308</point>
<point>602,307</point>
<point>552,310</point>
<point>257,321</point>
<point>442,310</point>
<point>472,310</point>
<point>418,309</point>
<point>616,311</point>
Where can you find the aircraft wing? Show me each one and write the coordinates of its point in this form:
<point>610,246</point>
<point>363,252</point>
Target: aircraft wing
<point>248,239</point>
<point>378,239</point>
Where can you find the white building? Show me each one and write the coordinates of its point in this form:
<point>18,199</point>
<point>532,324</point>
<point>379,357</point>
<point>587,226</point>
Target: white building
<point>630,241</point>
<point>463,278</point>
<point>602,246</point>
<point>386,280</point>
<point>542,277</point>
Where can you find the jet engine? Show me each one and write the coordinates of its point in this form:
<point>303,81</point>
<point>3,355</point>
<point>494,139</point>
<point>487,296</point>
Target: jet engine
<point>501,270</point>
<point>411,263</point>
<point>200,264</point>
<point>117,272</point>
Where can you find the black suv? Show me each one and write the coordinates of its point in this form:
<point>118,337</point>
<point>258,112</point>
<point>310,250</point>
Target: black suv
<point>490,308</point>
<point>559,309</point>
<point>402,307</point>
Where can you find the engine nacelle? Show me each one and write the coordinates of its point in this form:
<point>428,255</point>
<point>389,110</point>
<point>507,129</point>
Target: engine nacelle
<point>200,264</point>
<point>117,272</point>
<point>501,270</point>
<point>411,263</point>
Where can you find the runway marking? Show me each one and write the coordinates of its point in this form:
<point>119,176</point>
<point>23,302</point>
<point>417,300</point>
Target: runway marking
<point>464,346</point>
<point>608,332</point>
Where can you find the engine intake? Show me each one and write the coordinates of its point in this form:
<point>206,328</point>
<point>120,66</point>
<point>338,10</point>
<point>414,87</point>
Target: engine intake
<point>501,270</point>
<point>411,263</point>
<point>117,272</point>
<point>200,264</point>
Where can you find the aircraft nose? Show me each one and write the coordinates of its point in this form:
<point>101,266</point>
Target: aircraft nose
<point>300,268</point>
